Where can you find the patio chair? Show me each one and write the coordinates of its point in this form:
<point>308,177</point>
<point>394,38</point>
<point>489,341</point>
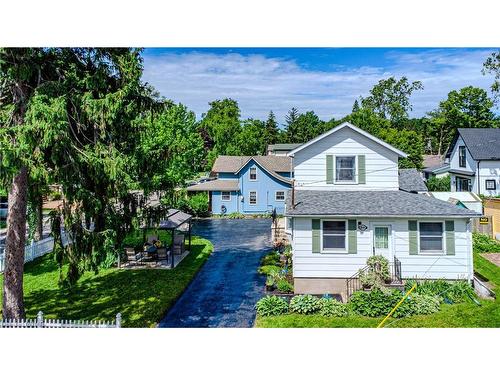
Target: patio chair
<point>132,256</point>
<point>162,253</point>
<point>178,244</point>
<point>151,238</point>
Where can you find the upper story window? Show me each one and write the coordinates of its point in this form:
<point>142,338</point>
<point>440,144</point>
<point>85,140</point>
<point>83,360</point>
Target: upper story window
<point>253,173</point>
<point>226,196</point>
<point>431,237</point>
<point>491,185</point>
<point>345,168</point>
<point>461,157</point>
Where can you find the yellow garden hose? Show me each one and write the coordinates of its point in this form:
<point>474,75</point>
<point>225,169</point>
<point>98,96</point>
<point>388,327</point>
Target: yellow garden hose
<point>397,305</point>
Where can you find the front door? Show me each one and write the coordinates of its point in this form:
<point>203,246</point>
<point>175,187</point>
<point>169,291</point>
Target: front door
<point>382,240</point>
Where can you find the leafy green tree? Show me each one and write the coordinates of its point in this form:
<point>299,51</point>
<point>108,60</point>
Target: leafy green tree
<point>355,106</point>
<point>390,98</point>
<point>468,107</point>
<point>306,126</point>
<point>272,130</point>
<point>492,66</point>
<point>22,72</point>
<point>251,139</point>
<point>221,124</point>
<point>439,184</point>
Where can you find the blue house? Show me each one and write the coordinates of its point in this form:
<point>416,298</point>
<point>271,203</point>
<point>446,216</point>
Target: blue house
<point>248,184</point>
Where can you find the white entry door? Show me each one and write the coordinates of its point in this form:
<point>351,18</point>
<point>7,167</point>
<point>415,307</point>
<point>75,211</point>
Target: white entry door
<point>382,240</point>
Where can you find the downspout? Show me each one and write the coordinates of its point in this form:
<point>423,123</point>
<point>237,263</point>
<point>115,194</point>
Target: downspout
<point>478,179</point>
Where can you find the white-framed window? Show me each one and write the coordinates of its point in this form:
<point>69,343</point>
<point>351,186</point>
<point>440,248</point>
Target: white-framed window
<point>279,195</point>
<point>289,225</point>
<point>334,236</point>
<point>491,185</point>
<point>431,237</point>
<point>345,169</point>
<point>225,196</point>
<point>253,173</point>
<point>462,161</point>
<point>252,197</point>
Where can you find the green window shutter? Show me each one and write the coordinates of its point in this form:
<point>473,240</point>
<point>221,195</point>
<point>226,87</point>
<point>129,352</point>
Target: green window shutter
<point>316,233</point>
<point>329,169</point>
<point>361,169</point>
<point>450,237</point>
<point>352,237</point>
<point>412,232</point>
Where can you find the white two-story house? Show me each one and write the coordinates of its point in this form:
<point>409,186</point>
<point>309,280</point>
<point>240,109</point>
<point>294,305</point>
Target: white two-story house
<point>351,201</point>
<point>474,160</point>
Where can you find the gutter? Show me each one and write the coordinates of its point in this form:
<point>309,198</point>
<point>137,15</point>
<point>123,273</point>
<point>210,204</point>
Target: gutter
<point>384,215</point>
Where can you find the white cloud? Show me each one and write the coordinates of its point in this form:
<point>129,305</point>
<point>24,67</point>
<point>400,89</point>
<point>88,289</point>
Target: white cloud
<point>261,83</point>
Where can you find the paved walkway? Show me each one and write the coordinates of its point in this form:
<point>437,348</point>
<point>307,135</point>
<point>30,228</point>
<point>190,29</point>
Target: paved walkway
<point>225,291</point>
<point>492,257</point>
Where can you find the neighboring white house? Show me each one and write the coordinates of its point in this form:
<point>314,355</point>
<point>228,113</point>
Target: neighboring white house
<point>351,201</point>
<point>474,159</point>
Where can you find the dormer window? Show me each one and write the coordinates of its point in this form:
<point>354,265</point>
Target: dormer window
<point>253,173</point>
<point>345,169</point>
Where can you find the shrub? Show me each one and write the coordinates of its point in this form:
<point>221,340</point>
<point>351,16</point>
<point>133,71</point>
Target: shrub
<point>377,274</point>
<point>284,286</point>
<point>332,308</point>
<point>423,304</point>
<point>268,269</point>
<point>271,305</point>
<point>452,291</point>
<point>305,304</point>
<point>485,244</point>
<point>272,258</point>
<point>439,184</point>
<point>374,303</point>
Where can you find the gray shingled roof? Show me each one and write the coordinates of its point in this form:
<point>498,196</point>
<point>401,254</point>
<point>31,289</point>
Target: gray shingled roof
<point>283,146</point>
<point>371,203</point>
<point>232,164</point>
<point>482,143</point>
<point>431,161</point>
<point>411,180</point>
<point>216,185</point>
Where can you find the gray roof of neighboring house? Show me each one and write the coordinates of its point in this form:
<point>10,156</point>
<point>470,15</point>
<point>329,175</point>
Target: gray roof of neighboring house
<point>371,203</point>
<point>411,180</point>
<point>482,143</point>
<point>432,161</point>
<point>438,168</point>
<point>271,163</point>
<point>283,146</point>
<point>232,164</point>
<point>215,185</point>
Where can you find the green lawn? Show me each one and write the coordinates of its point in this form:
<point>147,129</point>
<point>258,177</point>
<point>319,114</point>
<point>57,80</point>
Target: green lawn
<point>3,224</point>
<point>141,296</point>
<point>459,315</point>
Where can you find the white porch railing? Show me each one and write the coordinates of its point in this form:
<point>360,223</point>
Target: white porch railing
<point>36,249</point>
<point>40,322</point>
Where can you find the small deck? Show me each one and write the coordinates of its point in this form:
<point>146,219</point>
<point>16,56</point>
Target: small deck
<point>153,264</point>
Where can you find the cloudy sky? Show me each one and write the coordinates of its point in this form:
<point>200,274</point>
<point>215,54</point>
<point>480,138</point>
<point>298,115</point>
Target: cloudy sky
<point>325,80</point>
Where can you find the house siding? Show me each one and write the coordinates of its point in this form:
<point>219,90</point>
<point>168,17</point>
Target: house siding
<point>381,164</point>
<point>265,186</point>
<point>307,264</point>
<point>217,202</point>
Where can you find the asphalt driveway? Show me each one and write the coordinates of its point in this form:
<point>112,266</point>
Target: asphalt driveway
<point>224,292</point>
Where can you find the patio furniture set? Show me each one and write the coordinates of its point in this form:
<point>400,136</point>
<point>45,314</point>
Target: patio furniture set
<point>155,251</point>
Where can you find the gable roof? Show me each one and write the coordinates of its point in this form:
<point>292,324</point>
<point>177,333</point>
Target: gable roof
<point>216,185</point>
<point>394,203</point>
<point>352,127</point>
<point>272,164</point>
<point>482,143</point>
<point>411,180</point>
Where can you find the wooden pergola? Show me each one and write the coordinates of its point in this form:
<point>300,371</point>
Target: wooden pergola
<point>175,220</point>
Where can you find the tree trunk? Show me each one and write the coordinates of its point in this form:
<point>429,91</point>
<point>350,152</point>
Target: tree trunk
<point>39,218</point>
<point>13,301</point>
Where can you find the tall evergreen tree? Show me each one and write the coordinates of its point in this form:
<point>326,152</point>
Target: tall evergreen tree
<point>271,129</point>
<point>290,119</point>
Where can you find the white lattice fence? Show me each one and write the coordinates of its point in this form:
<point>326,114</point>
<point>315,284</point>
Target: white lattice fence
<point>41,322</point>
<point>36,249</point>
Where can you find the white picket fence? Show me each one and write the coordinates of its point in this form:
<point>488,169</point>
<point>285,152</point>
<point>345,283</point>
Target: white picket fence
<point>40,322</point>
<point>36,249</point>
